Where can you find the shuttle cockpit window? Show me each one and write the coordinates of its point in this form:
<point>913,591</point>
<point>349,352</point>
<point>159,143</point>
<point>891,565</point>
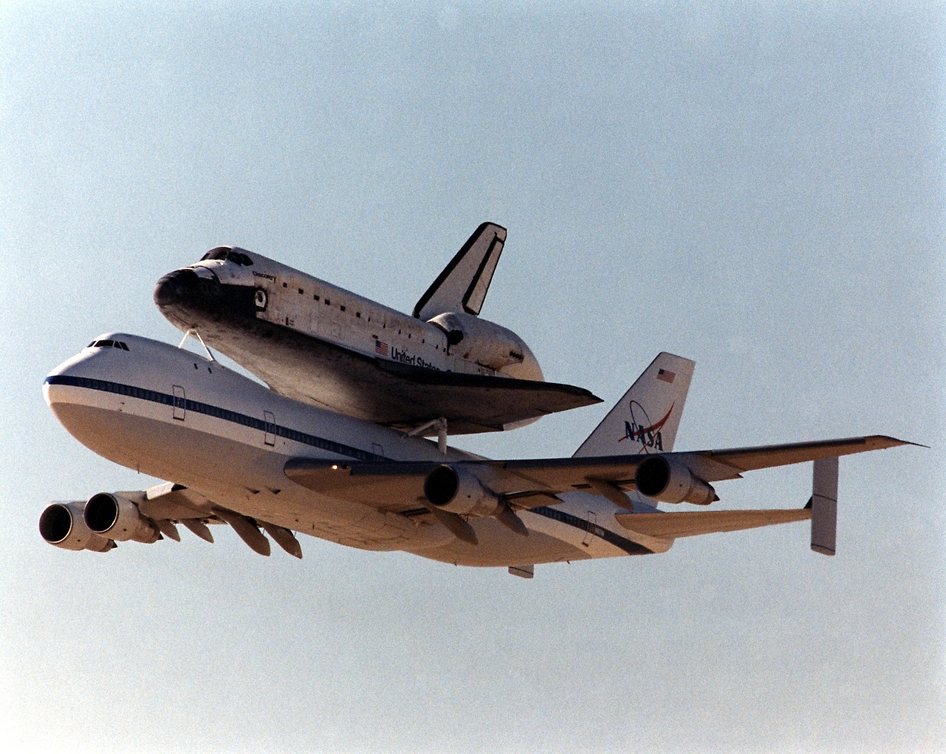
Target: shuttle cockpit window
<point>227,253</point>
<point>218,253</point>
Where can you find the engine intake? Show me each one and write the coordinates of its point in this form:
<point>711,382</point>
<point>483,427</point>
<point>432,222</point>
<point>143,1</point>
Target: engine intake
<point>63,525</point>
<point>672,482</point>
<point>118,517</point>
<point>459,491</point>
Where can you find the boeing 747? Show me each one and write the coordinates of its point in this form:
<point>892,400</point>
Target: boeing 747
<point>234,452</point>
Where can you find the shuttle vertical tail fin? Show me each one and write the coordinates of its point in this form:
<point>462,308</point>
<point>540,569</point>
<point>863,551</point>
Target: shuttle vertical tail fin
<point>645,420</point>
<point>463,284</point>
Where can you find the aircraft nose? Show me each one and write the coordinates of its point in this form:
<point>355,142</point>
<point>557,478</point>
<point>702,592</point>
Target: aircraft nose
<point>176,288</point>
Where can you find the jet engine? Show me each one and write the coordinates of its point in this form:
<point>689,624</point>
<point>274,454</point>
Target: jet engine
<point>672,482</point>
<point>459,491</point>
<point>488,344</point>
<point>119,519</point>
<point>63,525</point>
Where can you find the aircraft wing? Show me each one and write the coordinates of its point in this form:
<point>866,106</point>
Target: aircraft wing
<point>399,485</point>
<point>166,504</point>
<point>470,403</point>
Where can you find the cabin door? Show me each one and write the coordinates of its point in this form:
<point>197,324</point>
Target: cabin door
<point>179,402</point>
<point>269,428</point>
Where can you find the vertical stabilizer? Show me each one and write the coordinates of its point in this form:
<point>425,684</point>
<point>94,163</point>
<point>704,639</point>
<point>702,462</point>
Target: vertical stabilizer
<point>463,284</point>
<point>645,420</point>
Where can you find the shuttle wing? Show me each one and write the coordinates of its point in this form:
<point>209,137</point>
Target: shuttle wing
<point>390,393</point>
<point>470,403</point>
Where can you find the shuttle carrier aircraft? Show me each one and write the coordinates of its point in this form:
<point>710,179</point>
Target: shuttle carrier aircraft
<point>288,459</point>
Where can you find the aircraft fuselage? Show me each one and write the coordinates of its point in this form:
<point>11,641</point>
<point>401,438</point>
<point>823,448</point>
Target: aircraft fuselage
<point>170,413</point>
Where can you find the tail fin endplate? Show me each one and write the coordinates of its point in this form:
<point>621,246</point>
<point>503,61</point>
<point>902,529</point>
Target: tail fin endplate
<point>824,506</point>
<point>646,419</point>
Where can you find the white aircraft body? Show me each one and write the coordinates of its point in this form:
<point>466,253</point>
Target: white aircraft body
<point>237,453</point>
<point>320,344</point>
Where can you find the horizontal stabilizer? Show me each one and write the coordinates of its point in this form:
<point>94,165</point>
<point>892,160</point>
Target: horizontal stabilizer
<point>692,523</point>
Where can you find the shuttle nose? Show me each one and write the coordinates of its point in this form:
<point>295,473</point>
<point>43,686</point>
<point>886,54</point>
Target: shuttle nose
<point>176,287</point>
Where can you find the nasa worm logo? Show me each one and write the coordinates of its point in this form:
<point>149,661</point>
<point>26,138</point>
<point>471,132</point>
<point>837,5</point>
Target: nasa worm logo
<point>639,428</point>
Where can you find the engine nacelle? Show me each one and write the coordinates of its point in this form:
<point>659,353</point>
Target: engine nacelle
<point>459,491</point>
<point>119,519</point>
<point>488,344</point>
<point>63,525</point>
<point>672,482</point>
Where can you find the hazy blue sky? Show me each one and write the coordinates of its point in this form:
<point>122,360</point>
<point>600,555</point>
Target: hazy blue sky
<point>757,186</point>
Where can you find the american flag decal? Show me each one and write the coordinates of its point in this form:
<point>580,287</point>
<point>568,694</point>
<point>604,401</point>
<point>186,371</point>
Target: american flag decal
<point>666,376</point>
<point>381,348</point>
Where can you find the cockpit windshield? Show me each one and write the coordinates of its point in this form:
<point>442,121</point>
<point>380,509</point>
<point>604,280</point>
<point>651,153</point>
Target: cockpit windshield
<point>228,253</point>
<point>108,344</point>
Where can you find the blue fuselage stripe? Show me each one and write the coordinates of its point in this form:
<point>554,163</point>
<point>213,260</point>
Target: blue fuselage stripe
<point>207,409</point>
<point>631,548</point>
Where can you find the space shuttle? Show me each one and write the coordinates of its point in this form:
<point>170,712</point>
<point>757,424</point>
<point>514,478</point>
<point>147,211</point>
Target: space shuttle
<point>442,366</point>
